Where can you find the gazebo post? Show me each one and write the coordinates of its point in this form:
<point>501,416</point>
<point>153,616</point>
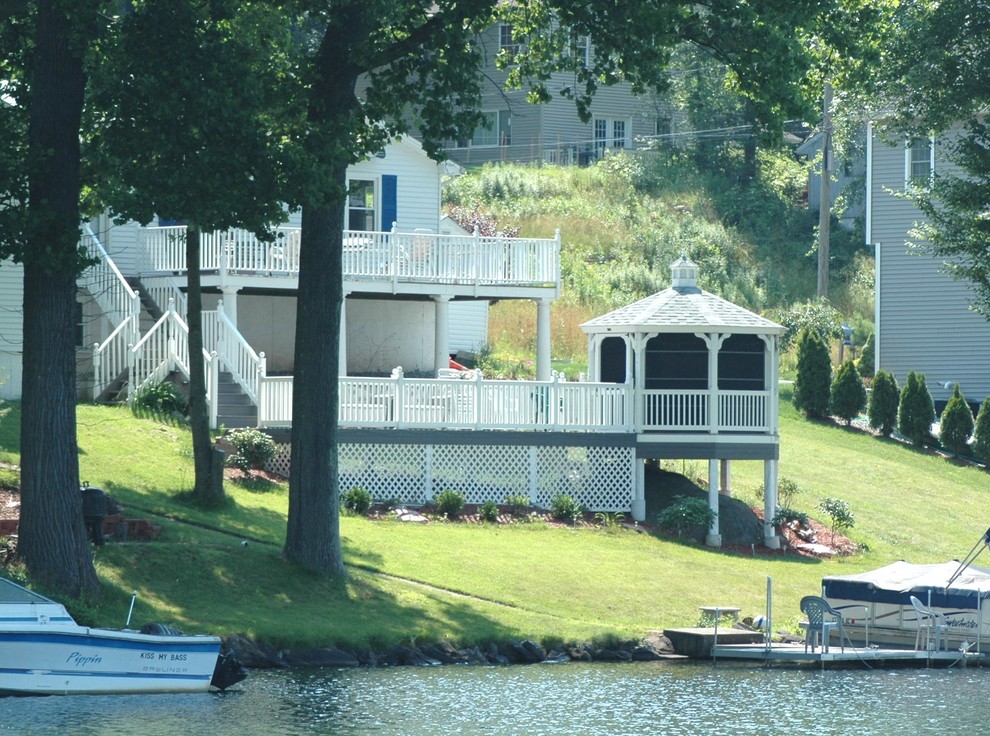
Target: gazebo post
<point>714,539</point>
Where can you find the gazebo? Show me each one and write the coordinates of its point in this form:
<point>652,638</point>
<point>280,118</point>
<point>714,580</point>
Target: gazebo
<point>704,375</point>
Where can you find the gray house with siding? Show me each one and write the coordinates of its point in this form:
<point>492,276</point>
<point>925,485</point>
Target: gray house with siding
<point>923,318</point>
<point>517,130</point>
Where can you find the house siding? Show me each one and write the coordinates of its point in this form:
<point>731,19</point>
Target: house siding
<point>924,320</point>
<point>11,329</point>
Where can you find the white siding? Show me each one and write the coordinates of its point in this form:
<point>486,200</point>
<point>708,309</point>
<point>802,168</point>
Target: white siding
<point>468,326</point>
<point>924,320</point>
<point>383,334</point>
<point>11,329</point>
<point>417,184</point>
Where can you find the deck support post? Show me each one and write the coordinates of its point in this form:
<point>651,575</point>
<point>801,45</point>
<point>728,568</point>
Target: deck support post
<point>770,538</point>
<point>714,539</point>
<point>342,343</point>
<point>725,482</point>
<point>639,489</point>
<point>229,301</point>
<point>542,339</point>
<point>441,333</point>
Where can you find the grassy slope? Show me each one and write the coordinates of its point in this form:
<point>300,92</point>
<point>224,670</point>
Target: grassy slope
<point>472,583</point>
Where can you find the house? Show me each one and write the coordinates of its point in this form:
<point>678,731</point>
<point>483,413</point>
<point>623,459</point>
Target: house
<point>923,318</point>
<point>847,174</point>
<point>517,130</point>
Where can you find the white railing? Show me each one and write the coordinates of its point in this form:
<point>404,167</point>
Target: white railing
<point>111,358</point>
<point>475,403</point>
<point>116,299</point>
<point>380,256</point>
<point>162,290</point>
<point>236,356</point>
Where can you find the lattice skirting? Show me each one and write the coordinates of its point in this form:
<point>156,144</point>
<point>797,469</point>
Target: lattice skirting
<point>599,478</point>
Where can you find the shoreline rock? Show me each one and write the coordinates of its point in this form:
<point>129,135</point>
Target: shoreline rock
<point>255,655</point>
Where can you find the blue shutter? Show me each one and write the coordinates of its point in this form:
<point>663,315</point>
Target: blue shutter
<point>390,210</point>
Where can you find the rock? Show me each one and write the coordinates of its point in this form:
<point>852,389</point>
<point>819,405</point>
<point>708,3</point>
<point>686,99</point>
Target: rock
<point>445,652</point>
<point>410,657</point>
<point>555,657</point>
<point>526,652</point>
<point>580,653</point>
<point>322,658</point>
<point>250,654</point>
<point>611,655</point>
<point>410,516</point>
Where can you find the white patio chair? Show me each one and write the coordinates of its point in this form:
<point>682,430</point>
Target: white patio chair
<point>929,622</point>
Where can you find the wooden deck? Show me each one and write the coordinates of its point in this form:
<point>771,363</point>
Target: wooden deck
<point>795,654</point>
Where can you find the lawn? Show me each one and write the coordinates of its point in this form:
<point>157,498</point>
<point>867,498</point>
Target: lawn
<point>472,583</point>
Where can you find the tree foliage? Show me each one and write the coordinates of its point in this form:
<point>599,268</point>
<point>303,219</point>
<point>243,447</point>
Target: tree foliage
<point>867,358</point>
<point>812,387</point>
<point>916,410</point>
<point>848,394</point>
<point>884,398</point>
<point>956,423</point>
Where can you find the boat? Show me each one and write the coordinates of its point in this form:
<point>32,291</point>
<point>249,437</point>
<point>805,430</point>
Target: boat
<point>876,605</point>
<point>44,651</point>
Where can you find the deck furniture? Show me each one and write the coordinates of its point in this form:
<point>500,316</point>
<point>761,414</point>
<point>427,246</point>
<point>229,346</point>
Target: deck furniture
<point>820,626</point>
<point>929,622</point>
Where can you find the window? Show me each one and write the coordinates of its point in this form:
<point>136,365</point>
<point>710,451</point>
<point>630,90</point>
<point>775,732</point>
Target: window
<point>610,133</point>
<point>581,49</point>
<point>742,364</point>
<point>919,162</point>
<point>495,130</point>
<point>361,204</point>
<point>676,361</point>
<point>506,41</point>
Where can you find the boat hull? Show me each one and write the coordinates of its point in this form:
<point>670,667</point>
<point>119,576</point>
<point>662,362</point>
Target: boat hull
<point>81,660</point>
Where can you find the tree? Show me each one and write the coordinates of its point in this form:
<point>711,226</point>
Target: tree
<point>956,424</point>
<point>161,146</point>
<point>916,410</point>
<point>848,394</point>
<point>46,74</point>
<point>981,433</point>
<point>814,375</point>
<point>884,398</point>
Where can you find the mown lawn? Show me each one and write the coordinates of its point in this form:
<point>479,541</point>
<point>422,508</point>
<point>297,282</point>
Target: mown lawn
<point>472,583</point>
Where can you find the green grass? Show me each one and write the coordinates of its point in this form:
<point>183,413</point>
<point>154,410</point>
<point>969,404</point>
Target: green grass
<point>471,584</point>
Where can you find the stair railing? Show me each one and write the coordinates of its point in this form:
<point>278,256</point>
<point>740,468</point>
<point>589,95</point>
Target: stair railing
<point>237,356</point>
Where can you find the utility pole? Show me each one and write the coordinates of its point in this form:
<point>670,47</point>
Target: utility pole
<point>825,205</point>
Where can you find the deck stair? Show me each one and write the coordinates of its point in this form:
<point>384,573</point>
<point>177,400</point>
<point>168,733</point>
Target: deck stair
<point>235,409</point>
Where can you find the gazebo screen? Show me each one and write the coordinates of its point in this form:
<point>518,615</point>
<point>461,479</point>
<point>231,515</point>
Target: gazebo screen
<point>741,364</point>
<point>612,368</point>
<point>676,361</point>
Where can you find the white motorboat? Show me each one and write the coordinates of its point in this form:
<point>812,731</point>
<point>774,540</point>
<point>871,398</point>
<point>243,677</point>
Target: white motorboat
<point>44,651</point>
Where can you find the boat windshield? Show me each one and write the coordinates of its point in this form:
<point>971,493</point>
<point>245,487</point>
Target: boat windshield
<point>11,592</point>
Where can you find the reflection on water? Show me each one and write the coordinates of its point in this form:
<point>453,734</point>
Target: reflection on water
<point>541,699</point>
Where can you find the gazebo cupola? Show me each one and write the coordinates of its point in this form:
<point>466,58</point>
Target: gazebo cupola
<point>704,376</point>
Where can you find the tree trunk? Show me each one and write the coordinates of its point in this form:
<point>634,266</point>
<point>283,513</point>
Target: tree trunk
<point>52,535</point>
<point>206,491</point>
<point>313,532</point>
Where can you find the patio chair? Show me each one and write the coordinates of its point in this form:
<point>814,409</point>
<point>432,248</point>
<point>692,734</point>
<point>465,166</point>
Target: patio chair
<point>929,622</point>
<point>818,610</point>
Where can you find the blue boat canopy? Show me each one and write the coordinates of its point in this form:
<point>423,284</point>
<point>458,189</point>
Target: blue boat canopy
<point>896,582</point>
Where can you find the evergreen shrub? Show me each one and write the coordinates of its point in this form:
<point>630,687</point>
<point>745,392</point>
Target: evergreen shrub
<point>814,375</point>
<point>866,358</point>
<point>981,433</point>
<point>847,397</point>
<point>884,397</point>
<point>956,424</point>
<point>254,448</point>
<point>357,500</point>
<point>449,503</point>
<point>916,410</point>
<point>565,508</point>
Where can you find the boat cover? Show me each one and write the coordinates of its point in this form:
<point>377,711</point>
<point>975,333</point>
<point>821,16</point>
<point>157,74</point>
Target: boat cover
<point>896,582</point>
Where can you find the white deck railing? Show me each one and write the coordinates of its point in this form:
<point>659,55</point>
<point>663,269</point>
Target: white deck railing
<point>378,256</point>
<point>475,403</point>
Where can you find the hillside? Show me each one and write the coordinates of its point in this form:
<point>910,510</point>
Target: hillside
<point>624,220</point>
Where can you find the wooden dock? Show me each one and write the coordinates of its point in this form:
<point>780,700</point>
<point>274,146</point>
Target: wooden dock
<point>730,643</point>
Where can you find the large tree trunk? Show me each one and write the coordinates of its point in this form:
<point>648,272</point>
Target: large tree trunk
<point>313,533</point>
<point>207,490</point>
<point>52,538</point>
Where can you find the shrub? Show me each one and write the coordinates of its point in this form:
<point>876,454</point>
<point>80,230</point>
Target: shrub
<point>819,317</point>
<point>787,489</point>
<point>916,410</point>
<point>686,513</point>
<point>956,424</point>
<point>981,434</point>
<point>357,500</point>
<point>847,396</point>
<point>785,515</point>
<point>488,511</point>
<point>866,358</point>
<point>814,375</point>
<point>449,503</point>
<point>254,448</point>
<point>839,514</point>
<point>610,522</point>
<point>162,398</point>
<point>517,504</point>
<point>884,397</point>
<point>565,508</point>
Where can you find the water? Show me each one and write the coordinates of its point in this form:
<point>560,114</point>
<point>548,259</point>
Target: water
<point>569,699</point>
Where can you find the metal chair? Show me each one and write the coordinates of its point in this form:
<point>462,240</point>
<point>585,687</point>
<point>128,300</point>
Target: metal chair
<point>817,609</point>
<point>929,621</point>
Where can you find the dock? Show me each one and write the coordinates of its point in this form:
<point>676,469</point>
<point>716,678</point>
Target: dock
<point>707,643</point>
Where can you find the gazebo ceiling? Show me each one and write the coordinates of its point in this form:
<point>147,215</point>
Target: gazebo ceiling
<point>682,308</point>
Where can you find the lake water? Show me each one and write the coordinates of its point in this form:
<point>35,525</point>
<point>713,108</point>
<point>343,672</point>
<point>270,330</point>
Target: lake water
<point>572,699</point>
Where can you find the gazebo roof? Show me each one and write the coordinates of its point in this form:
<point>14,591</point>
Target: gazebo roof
<point>682,308</point>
